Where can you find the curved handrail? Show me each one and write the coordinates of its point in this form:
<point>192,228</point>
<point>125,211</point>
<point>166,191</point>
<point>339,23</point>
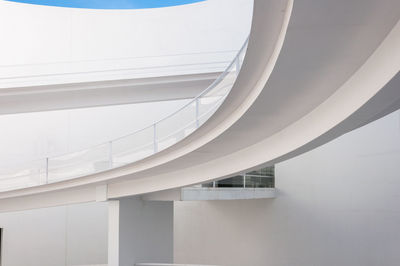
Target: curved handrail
<point>137,145</point>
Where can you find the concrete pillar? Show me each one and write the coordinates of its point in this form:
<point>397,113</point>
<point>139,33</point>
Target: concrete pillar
<point>140,231</point>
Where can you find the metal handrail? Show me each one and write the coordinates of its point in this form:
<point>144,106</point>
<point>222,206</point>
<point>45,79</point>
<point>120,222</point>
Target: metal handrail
<point>211,86</point>
<point>118,58</point>
<point>156,139</point>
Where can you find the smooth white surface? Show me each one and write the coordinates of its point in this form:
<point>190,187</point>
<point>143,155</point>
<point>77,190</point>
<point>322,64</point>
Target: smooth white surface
<point>190,194</point>
<point>101,193</point>
<point>113,232</point>
<point>112,44</point>
<point>336,205</point>
<point>86,233</point>
<point>65,235</point>
<point>103,93</point>
<point>145,232</point>
<point>203,193</point>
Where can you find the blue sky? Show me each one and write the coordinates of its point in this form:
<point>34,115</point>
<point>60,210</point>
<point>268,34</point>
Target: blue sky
<point>109,4</point>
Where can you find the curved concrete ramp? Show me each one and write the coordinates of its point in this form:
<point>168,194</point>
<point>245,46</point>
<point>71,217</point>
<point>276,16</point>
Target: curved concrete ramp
<point>333,68</point>
<point>338,69</point>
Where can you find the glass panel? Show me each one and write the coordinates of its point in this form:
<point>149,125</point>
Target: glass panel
<point>207,185</point>
<point>80,163</point>
<point>176,127</point>
<point>220,89</point>
<point>18,182</point>
<point>236,181</point>
<point>266,171</point>
<point>176,136</point>
<point>29,174</point>
<point>262,178</point>
<point>133,147</point>
<point>212,99</point>
<point>211,109</point>
<point>259,182</point>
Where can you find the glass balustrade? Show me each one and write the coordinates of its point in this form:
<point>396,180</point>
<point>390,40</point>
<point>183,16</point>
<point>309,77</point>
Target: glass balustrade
<point>133,147</point>
<point>263,178</point>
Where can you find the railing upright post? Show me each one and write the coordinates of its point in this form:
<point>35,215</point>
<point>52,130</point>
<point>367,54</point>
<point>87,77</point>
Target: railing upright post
<point>47,170</point>
<point>110,155</point>
<point>244,180</point>
<point>155,138</point>
<point>197,112</point>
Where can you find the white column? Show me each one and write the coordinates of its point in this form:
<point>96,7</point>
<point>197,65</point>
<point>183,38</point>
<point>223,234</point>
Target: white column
<point>113,233</point>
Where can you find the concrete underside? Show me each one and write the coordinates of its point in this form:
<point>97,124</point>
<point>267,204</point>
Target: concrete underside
<point>102,93</point>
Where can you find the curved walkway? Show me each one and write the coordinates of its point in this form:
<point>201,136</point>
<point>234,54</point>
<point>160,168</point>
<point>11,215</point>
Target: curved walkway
<point>337,70</point>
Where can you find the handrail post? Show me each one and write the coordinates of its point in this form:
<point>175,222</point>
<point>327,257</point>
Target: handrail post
<point>47,170</point>
<point>155,138</point>
<point>110,155</point>
<point>244,180</point>
<point>197,112</point>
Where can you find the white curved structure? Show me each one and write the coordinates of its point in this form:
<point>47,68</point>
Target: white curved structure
<point>313,70</point>
<point>132,147</point>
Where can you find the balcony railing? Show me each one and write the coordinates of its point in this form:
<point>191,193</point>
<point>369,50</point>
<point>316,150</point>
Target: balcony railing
<point>263,178</point>
<point>130,148</point>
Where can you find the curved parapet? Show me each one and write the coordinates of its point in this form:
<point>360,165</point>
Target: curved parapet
<point>302,84</point>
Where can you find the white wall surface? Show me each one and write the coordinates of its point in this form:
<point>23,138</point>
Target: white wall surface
<point>43,40</point>
<point>336,205</point>
<point>145,232</point>
<point>65,235</point>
